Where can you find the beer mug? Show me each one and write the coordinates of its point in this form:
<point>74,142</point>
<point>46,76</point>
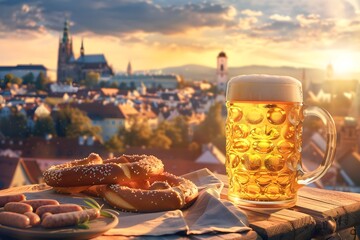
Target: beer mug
<point>263,140</point>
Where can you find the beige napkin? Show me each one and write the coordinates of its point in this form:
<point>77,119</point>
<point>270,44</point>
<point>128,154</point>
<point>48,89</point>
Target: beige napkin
<point>208,213</point>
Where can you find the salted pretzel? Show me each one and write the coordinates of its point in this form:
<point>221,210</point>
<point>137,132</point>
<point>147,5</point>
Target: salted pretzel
<point>165,192</point>
<point>94,171</point>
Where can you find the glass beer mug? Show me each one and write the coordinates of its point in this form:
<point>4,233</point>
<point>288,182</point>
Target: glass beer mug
<point>264,138</point>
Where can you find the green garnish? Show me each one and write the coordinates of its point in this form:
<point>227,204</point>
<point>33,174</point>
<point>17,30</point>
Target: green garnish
<point>83,225</point>
<point>103,212</point>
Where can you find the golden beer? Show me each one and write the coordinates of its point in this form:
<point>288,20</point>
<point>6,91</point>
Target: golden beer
<point>264,139</point>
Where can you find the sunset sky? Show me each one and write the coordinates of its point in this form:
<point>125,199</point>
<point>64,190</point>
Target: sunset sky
<point>160,33</point>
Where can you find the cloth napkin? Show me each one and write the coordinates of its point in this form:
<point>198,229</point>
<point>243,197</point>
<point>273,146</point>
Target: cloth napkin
<point>208,214</point>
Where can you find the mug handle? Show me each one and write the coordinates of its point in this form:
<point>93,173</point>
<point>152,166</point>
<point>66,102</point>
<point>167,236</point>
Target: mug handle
<point>305,178</point>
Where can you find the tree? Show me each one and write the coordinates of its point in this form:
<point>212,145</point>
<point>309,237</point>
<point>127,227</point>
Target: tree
<point>92,79</point>
<point>8,77</point>
<point>212,127</point>
<point>138,134</point>
<point>194,147</point>
<point>71,122</point>
<point>41,82</point>
<point>171,131</point>
<point>44,126</point>
<point>28,78</point>
<point>182,124</point>
<point>114,144</point>
<point>214,89</point>
<point>160,140</point>
<point>6,80</point>
<point>14,126</point>
<point>68,81</point>
<point>113,85</point>
<point>102,84</point>
<point>16,80</point>
<point>132,86</point>
<point>123,86</point>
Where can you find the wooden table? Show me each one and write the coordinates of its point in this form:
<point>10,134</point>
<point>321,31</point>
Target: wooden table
<point>319,214</point>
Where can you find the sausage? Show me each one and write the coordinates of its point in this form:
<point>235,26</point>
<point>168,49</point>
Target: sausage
<point>12,219</point>
<point>18,207</point>
<point>58,209</point>
<point>11,198</point>
<point>36,203</point>
<point>45,215</point>
<point>34,218</point>
<point>70,218</point>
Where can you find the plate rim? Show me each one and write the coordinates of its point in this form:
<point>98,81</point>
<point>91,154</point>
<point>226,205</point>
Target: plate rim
<point>62,232</point>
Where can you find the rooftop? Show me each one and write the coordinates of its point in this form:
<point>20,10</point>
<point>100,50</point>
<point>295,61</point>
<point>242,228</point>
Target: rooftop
<point>92,58</point>
<point>23,67</point>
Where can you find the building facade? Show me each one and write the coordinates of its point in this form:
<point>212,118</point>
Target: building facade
<point>22,70</point>
<point>151,81</point>
<point>76,69</point>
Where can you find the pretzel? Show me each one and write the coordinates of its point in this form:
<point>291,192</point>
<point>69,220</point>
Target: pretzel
<point>166,192</point>
<point>94,171</point>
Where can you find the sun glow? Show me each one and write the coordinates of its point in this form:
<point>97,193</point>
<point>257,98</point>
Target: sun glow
<point>344,63</point>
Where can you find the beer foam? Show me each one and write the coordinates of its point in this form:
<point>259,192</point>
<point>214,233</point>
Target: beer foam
<point>261,87</point>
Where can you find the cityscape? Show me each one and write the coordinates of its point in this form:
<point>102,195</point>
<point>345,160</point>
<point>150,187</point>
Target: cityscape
<point>79,99</point>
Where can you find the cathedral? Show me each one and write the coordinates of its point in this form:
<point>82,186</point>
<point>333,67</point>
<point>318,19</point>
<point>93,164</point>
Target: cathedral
<point>75,69</point>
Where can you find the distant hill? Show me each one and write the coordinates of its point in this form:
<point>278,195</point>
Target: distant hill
<point>194,72</point>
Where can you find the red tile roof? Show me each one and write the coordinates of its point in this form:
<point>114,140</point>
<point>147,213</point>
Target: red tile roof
<point>8,166</point>
<point>57,147</point>
<point>177,161</point>
<point>32,170</point>
<point>109,91</point>
<point>100,110</point>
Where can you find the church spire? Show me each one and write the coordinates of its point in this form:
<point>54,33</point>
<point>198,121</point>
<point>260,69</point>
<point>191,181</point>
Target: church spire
<point>82,50</point>
<point>129,69</point>
<point>65,38</point>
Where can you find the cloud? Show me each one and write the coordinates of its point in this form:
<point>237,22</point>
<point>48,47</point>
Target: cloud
<point>280,18</point>
<point>307,20</point>
<point>20,17</point>
<point>231,13</point>
<point>114,17</point>
<point>247,23</point>
<point>251,13</point>
<point>164,23</point>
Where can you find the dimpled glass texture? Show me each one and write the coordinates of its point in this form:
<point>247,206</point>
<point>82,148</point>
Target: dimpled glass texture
<point>263,150</point>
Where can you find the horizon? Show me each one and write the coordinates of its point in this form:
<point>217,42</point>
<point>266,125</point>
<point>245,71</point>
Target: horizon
<point>157,34</point>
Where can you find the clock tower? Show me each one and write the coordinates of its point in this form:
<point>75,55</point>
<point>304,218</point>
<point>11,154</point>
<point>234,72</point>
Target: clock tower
<point>222,72</point>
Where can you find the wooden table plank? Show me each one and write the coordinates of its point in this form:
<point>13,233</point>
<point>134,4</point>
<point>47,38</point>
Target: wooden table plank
<point>332,210</point>
<point>250,235</point>
<point>323,212</point>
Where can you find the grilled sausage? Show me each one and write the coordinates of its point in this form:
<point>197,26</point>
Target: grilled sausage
<point>18,207</point>
<point>36,203</point>
<point>45,215</point>
<point>70,218</point>
<point>58,209</point>
<point>11,198</point>
<point>34,218</point>
<point>12,219</point>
